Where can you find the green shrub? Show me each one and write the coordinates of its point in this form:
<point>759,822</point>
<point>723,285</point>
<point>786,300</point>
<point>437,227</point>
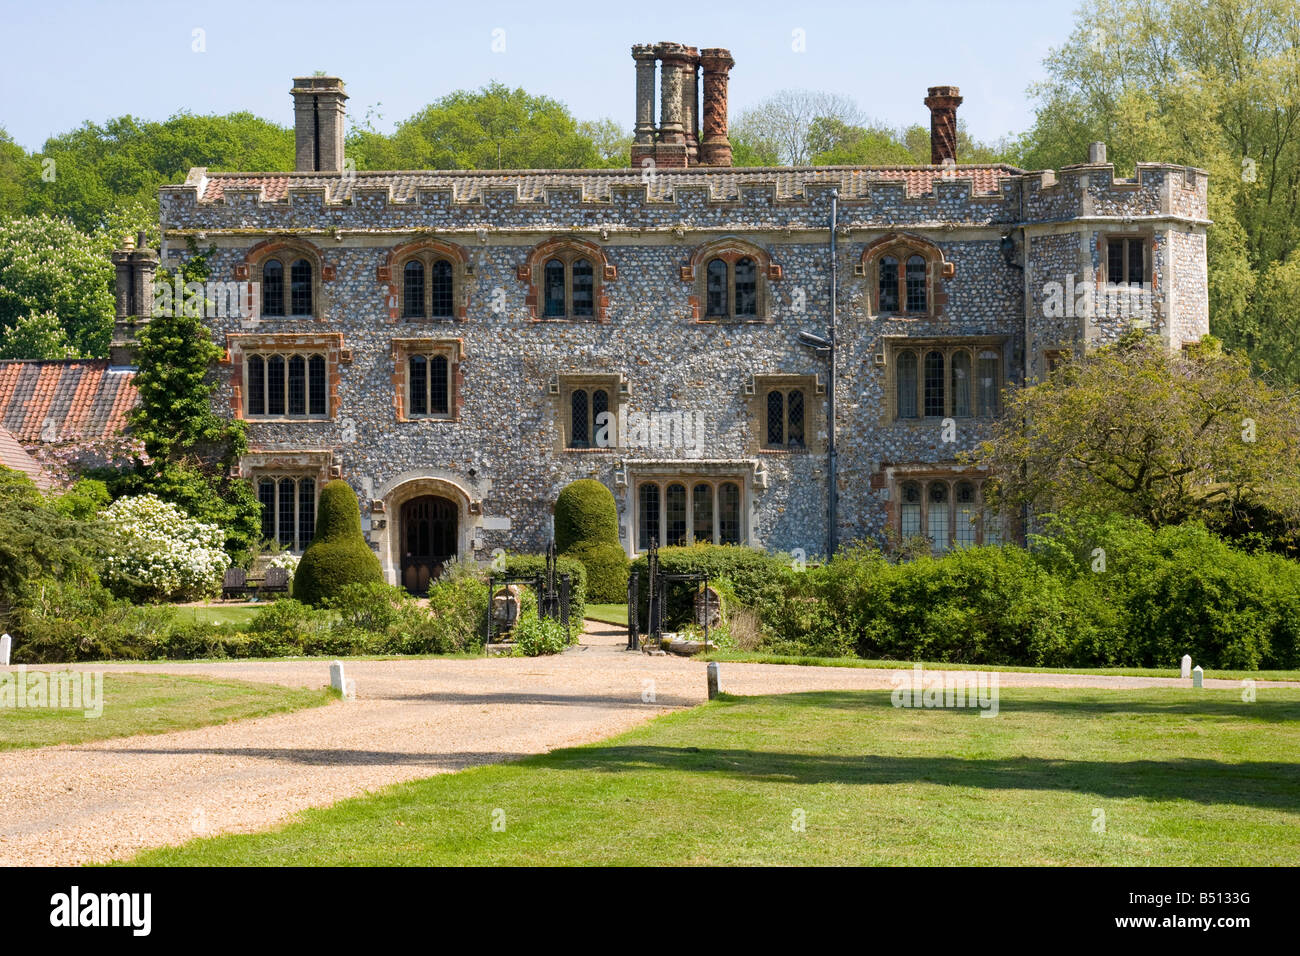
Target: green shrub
<point>586,529</point>
<point>530,566</point>
<point>371,606</point>
<point>759,579</point>
<point>534,636</point>
<point>458,602</point>
<point>338,555</point>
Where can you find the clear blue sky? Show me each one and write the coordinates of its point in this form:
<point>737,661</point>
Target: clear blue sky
<point>66,62</point>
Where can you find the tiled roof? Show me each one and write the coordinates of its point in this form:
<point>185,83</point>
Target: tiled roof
<point>13,455</point>
<point>595,184</point>
<point>65,401</point>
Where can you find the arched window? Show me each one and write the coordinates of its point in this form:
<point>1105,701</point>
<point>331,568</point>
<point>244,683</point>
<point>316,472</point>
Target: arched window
<point>907,385</point>
<point>716,285</point>
<point>300,292</point>
<point>275,397</point>
<point>554,289</point>
<point>785,418</point>
<point>413,289</point>
<point>902,272</point>
<point>909,511</point>
<point>428,385</point>
<point>888,284</point>
<point>731,283</point>
<point>273,287</point>
<point>583,289</point>
<point>937,530</point>
<point>916,284</point>
<point>256,366</point>
<point>579,432</point>
<point>702,513</point>
<point>675,515</point>
<point>961,384</point>
<point>297,385</point>
<point>966,515</point>
<point>647,515</point>
<point>746,288</point>
<point>288,510</point>
<point>442,291</point>
<point>934,404</point>
<point>729,513</point>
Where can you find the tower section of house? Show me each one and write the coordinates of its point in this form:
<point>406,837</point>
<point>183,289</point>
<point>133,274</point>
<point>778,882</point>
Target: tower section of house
<point>460,345</point>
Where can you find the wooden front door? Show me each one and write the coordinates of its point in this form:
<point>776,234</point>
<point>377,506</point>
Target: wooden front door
<point>428,540</point>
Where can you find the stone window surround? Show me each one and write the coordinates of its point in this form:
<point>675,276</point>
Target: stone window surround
<point>276,475</point>
<point>562,387</point>
<point>453,349</point>
<point>690,482</point>
<point>814,390</point>
<point>1148,257</point>
<point>567,249</point>
<point>730,250</point>
<point>924,476</point>
<point>894,344</point>
<point>330,344</point>
<point>287,250</point>
<point>428,251</point>
<point>902,246</point>
<point>747,473</point>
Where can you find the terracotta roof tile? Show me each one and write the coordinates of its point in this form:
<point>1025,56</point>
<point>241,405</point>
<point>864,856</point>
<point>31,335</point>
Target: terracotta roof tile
<point>74,400</point>
<point>13,455</point>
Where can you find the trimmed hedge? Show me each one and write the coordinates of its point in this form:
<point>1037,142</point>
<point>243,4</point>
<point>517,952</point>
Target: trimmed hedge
<point>531,565</point>
<point>760,580</point>
<point>338,555</point>
<point>586,528</point>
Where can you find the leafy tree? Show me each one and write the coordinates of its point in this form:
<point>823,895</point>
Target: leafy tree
<point>1165,438</point>
<point>190,448</point>
<point>1209,83</point>
<point>492,128</point>
<point>36,539</point>
<point>780,125</point>
<point>49,267</point>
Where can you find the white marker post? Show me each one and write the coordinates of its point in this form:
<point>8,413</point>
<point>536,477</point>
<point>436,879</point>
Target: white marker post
<point>6,648</point>
<point>1187,667</point>
<point>348,688</point>
<point>1198,676</point>
<point>713,679</point>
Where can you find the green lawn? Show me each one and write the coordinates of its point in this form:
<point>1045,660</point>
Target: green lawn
<point>758,657</point>
<point>220,614</point>
<point>152,704</point>
<point>608,613</point>
<point>1182,778</point>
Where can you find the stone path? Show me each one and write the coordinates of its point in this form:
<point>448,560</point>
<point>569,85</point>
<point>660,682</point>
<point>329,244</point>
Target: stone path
<point>413,718</point>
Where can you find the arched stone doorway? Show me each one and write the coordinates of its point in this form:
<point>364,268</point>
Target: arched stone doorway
<point>429,534</point>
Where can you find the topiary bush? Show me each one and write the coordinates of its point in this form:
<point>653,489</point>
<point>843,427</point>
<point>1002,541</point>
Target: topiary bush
<point>338,555</point>
<point>586,529</point>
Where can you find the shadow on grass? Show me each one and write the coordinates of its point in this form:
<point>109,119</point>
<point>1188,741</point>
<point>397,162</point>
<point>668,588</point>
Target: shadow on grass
<point>1274,785</point>
<point>1082,703</point>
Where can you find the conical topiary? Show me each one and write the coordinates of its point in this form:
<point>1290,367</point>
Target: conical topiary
<point>586,528</point>
<point>338,554</point>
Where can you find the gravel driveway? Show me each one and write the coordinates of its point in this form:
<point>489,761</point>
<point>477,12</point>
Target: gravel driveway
<point>414,718</point>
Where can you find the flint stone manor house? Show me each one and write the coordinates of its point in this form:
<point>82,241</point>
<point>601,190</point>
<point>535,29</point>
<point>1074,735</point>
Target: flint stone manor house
<point>460,345</point>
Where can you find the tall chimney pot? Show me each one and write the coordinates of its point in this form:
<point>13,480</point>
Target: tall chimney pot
<point>943,102</point>
<point>715,148</point>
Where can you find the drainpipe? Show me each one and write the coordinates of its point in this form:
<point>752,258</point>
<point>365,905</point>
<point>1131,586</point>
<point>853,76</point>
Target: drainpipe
<point>832,502</point>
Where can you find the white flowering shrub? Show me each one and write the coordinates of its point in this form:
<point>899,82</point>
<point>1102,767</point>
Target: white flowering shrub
<point>161,553</point>
<point>285,560</point>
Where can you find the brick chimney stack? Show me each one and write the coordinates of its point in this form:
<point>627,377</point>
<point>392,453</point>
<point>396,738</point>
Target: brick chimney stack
<point>943,102</point>
<point>135,265</point>
<point>318,114</point>
<point>715,148</point>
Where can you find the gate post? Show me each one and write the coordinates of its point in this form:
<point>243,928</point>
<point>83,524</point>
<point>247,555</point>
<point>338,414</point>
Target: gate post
<point>633,602</point>
<point>564,603</point>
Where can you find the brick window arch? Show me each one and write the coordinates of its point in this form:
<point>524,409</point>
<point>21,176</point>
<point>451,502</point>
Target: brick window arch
<point>731,282</point>
<point>903,274</point>
<point>427,281</point>
<point>566,280</point>
<point>290,273</point>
